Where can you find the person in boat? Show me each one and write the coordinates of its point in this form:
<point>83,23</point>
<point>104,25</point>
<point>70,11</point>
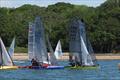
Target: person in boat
<point>34,62</point>
<point>72,63</point>
<point>77,63</point>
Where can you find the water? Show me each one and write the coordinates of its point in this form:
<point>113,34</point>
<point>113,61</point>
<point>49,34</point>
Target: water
<point>107,71</point>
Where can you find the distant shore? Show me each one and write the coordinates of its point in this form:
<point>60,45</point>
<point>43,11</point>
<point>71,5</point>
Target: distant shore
<point>107,56</point>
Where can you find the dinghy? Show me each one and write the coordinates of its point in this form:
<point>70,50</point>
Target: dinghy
<point>52,58</point>
<point>37,48</point>
<point>5,59</point>
<point>81,52</point>
<point>58,50</point>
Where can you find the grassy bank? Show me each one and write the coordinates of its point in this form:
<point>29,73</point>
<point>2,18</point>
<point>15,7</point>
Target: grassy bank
<point>25,50</point>
<point>21,50</point>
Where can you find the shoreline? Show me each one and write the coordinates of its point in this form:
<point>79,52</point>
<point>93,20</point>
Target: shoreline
<point>108,56</point>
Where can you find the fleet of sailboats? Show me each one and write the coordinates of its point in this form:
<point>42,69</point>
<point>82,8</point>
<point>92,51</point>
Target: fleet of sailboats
<point>81,52</point>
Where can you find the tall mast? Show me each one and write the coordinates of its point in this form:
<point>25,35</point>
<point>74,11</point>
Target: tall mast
<point>1,56</point>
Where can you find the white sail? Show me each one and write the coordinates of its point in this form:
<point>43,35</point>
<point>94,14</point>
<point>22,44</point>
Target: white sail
<point>85,54</point>
<point>11,49</point>
<point>58,50</point>
<point>6,60</point>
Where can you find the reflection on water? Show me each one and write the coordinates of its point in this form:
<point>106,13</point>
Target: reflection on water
<point>108,71</point>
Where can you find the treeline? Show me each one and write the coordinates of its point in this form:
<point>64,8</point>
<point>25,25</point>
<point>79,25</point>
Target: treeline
<point>102,23</point>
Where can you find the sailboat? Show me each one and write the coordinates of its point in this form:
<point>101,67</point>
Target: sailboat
<point>11,48</point>
<point>5,59</point>
<point>58,50</point>
<point>37,48</point>
<point>36,42</point>
<point>52,58</point>
<point>81,53</point>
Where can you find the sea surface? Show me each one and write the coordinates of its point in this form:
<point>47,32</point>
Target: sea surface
<point>108,71</point>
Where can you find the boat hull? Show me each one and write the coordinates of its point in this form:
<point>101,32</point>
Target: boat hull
<point>39,67</point>
<point>83,67</point>
<point>55,67</point>
<point>8,67</point>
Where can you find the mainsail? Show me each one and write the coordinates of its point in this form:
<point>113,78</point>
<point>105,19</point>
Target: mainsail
<point>40,50</point>
<point>5,57</point>
<point>36,42</point>
<point>31,38</point>
<point>74,42</point>
<point>11,49</point>
<point>79,45</point>
<point>58,50</point>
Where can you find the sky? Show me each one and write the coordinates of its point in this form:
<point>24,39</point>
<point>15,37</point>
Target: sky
<point>45,3</point>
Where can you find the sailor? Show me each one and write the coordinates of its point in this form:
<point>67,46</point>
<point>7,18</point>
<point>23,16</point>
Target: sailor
<point>77,63</point>
<point>72,63</point>
<point>34,62</point>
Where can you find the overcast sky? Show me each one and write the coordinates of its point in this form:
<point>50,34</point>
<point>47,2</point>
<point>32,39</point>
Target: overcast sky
<point>45,3</point>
